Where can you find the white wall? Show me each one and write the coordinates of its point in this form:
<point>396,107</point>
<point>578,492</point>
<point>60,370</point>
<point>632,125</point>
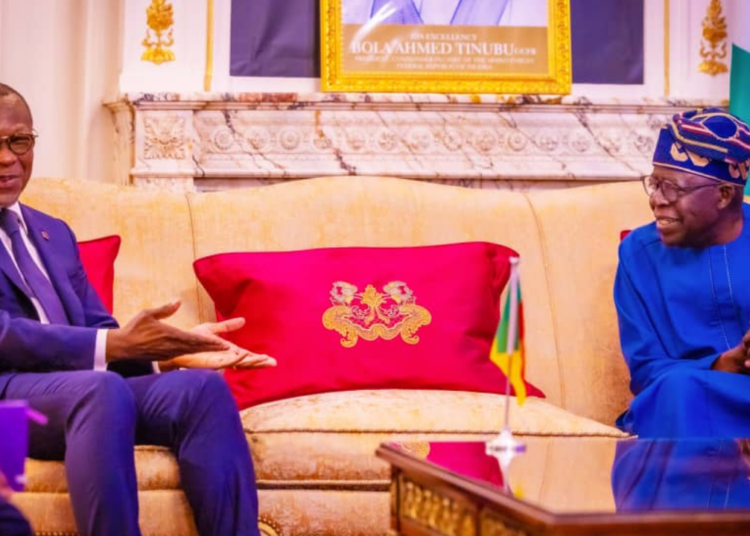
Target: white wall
<point>64,57</point>
<point>68,56</point>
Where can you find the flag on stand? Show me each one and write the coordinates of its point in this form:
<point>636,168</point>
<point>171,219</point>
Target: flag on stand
<point>507,348</point>
<point>739,74</point>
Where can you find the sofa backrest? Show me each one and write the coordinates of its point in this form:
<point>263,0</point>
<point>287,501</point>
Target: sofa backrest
<point>378,211</point>
<point>155,261</point>
<point>580,232</point>
<point>567,240</point>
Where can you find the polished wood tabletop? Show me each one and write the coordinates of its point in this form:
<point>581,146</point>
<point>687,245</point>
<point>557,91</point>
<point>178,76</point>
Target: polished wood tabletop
<point>571,486</point>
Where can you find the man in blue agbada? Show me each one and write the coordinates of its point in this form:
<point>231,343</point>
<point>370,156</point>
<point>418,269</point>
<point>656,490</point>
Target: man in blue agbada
<point>682,289</point>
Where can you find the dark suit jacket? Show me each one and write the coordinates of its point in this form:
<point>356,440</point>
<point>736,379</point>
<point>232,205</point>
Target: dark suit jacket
<point>26,345</point>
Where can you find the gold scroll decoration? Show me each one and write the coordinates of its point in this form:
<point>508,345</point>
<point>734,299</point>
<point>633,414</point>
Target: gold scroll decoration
<point>268,527</point>
<point>714,45</point>
<point>493,525</point>
<point>159,35</point>
<point>442,514</point>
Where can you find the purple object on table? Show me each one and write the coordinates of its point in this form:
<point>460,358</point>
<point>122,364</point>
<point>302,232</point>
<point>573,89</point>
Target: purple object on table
<point>14,439</point>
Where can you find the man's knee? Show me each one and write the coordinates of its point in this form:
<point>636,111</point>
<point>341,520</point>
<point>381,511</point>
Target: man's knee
<point>683,380</point>
<point>202,380</point>
<point>108,394</point>
<point>203,387</point>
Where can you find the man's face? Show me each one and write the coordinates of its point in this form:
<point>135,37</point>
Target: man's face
<point>15,170</point>
<point>690,220</point>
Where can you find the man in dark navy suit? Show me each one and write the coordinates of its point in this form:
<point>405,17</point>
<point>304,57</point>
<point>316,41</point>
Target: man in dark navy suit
<point>62,351</point>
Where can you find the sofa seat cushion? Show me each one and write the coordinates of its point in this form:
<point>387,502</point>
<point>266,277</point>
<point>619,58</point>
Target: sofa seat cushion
<point>161,513</point>
<point>155,467</point>
<point>328,441</point>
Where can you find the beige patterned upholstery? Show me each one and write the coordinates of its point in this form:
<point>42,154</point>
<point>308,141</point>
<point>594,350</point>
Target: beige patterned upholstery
<point>314,455</point>
<point>338,432</point>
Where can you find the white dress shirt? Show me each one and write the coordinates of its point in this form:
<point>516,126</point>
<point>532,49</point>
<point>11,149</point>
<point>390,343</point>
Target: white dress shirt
<point>100,350</point>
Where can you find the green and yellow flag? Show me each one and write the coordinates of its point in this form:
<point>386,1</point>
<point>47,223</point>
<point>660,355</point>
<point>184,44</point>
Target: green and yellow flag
<point>507,348</point>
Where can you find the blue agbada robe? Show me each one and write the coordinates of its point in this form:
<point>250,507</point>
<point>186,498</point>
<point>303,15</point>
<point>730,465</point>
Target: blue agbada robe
<point>678,310</point>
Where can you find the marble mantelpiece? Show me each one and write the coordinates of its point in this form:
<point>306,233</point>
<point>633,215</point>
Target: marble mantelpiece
<point>212,140</point>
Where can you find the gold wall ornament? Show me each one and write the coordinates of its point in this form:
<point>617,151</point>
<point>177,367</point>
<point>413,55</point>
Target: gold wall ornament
<point>160,19</point>
<point>372,315</point>
<point>715,35</point>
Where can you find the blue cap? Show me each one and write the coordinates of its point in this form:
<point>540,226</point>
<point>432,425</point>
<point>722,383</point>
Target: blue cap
<point>709,143</point>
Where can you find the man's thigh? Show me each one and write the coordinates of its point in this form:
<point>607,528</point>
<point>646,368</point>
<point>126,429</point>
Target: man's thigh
<point>64,396</point>
<point>169,404</point>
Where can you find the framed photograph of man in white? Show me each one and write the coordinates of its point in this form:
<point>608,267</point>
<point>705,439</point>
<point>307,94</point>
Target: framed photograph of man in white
<point>446,46</point>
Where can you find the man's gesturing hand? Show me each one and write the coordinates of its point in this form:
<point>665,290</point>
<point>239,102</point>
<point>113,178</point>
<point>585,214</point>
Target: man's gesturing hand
<point>737,359</point>
<point>235,356</point>
<point>147,337</point>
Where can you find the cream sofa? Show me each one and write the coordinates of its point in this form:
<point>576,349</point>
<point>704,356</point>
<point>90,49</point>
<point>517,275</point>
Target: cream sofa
<point>314,455</point>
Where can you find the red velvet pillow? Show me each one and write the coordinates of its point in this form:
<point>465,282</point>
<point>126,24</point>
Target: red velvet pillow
<point>98,258</point>
<point>363,318</point>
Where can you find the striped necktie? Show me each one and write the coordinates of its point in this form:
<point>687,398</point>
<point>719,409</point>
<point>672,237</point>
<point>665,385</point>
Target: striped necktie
<point>37,284</point>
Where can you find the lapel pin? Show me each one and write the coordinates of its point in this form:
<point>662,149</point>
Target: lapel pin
<point>45,235</point>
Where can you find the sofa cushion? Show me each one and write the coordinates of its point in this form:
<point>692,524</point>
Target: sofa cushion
<point>329,440</point>
<point>154,265</point>
<point>361,318</point>
<point>98,259</point>
<point>155,467</point>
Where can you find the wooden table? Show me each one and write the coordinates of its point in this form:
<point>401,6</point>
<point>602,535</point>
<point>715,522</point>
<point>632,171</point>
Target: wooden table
<point>570,486</point>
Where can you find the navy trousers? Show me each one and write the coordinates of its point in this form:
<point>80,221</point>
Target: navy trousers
<point>12,523</point>
<point>95,419</point>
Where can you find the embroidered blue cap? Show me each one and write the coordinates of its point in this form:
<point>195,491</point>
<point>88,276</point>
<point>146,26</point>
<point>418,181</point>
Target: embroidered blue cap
<point>710,143</point>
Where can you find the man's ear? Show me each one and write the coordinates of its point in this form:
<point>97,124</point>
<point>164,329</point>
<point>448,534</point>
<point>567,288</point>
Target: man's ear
<point>727,193</point>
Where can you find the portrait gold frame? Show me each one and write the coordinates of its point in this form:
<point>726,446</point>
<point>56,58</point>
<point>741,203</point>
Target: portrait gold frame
<point>557,80</point>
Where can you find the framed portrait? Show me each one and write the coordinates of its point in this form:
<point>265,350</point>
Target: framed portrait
<point>446,46</point>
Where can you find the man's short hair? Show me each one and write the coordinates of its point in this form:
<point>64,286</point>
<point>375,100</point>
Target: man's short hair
<point>7,91</point>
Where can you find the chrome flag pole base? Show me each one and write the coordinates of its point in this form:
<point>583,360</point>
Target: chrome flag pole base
<point>504,447</point>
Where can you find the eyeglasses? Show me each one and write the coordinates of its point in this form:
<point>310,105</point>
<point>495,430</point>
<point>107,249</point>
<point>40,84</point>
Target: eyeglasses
<point>19,144</point>
<point>669,190</point>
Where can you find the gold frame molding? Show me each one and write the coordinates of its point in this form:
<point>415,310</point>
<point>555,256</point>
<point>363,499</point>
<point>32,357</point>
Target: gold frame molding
<point>209,74</point>
<point>556,81</point>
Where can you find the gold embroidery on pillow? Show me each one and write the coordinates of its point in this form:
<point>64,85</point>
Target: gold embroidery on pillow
<point>372,315</point>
